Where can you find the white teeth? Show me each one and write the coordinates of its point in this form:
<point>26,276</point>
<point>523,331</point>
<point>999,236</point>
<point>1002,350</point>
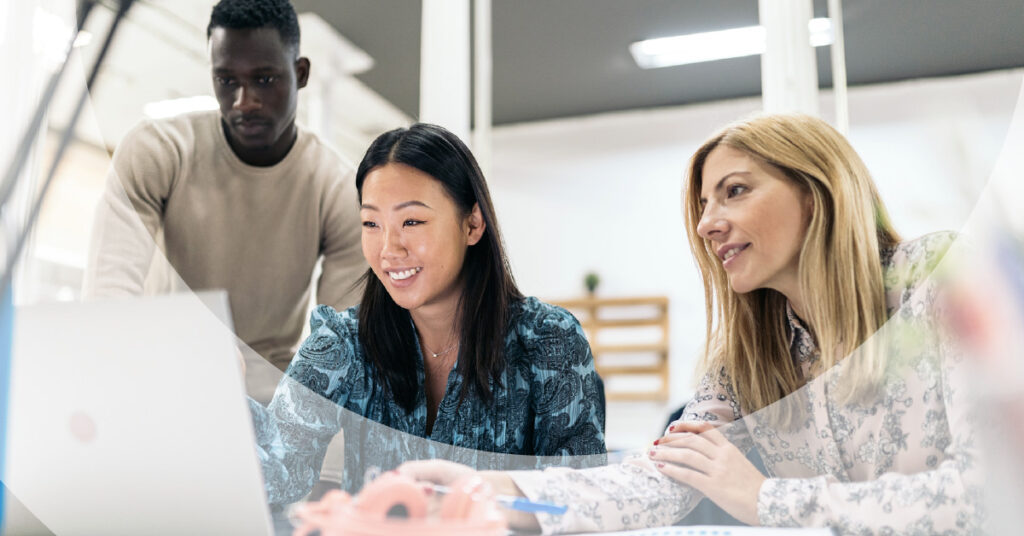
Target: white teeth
<point>731,253</point>
<point>406,274</point>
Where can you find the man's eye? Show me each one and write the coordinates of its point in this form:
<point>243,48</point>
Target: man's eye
<point>369,224</point>
<point>264,80</point>
<point>225,81</point>
<point>412,222</point>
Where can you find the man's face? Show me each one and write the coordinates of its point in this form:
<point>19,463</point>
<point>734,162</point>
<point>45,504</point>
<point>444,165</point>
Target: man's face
<point>256,77</point>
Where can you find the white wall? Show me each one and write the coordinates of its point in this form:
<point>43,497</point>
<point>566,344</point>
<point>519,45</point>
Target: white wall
<point>603,193</point>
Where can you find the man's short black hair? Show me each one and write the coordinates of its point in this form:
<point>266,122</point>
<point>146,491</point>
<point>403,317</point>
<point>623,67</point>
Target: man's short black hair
<point>245,14</point>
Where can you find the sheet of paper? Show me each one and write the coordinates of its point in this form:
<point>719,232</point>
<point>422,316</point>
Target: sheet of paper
<point>715,530</point>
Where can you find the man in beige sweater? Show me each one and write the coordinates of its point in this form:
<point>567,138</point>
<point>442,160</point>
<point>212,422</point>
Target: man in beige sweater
<point>243,199</point>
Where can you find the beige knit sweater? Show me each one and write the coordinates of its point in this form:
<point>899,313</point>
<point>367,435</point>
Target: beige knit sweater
<point>177,193</point>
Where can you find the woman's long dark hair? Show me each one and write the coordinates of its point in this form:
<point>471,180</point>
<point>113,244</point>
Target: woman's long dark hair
<point>385,329</point>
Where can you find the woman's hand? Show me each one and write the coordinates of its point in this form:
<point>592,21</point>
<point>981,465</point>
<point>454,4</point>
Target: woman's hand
<point>441,472</point>
<point>446,473</point>
<point>697,454</point>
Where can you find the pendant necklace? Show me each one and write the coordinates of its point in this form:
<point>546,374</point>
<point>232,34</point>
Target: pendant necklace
<point>436,355</point>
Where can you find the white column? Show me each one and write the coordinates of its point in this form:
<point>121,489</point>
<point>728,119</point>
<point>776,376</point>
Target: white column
<point>444,65</point>
<point>789,74</point>
<point>835,12</point>
<point>482,84</point>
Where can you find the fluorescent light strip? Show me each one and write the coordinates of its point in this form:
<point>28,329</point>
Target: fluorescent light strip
<point>172,107</point>
<point>719,45</point>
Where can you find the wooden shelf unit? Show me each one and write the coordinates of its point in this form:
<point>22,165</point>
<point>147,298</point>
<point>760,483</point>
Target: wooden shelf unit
<point>592,314</point>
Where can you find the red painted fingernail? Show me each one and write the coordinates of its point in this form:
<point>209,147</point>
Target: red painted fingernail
<point>661,464</point>
<point>651,453</point>
<point>656,441</point>
<point>671,428</point>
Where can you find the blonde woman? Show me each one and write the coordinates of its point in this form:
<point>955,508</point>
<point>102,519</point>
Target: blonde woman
<point>823,353</point>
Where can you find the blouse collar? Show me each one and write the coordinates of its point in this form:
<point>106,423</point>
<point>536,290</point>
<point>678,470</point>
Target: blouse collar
<point>801,344</point>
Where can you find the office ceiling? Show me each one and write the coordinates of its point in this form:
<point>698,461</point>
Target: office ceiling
<point>563,58</point>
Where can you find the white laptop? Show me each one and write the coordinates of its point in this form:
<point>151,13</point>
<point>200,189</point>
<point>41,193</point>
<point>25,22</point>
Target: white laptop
<point>128,416</point>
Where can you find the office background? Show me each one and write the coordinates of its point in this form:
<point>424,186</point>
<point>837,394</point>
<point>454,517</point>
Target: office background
<point>587,152</point>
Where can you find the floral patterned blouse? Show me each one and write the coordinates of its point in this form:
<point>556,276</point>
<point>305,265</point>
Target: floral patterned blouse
<point>549,402</point>
<point>902,463</point>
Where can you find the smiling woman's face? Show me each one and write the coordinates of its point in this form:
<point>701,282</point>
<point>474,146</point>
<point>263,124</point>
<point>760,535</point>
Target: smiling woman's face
<point>755,218</point>
<point>415,237</point>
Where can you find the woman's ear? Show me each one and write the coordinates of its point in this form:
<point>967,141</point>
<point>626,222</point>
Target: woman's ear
<point>475,225</point>
<point>809,205</point>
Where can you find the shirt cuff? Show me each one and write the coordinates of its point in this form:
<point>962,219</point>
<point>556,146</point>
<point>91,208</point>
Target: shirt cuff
<point>535,486</point>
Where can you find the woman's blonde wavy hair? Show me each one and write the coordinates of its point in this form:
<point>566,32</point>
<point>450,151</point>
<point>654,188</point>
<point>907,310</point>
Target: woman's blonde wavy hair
<point>840,272</point>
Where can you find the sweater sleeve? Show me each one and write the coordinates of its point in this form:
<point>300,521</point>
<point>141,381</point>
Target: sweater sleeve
<point>130,213</point>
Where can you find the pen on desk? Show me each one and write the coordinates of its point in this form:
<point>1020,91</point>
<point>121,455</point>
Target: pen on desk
<point>518,503</point>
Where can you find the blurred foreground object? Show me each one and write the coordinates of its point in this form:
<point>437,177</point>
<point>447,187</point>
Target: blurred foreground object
<point>395,504</point>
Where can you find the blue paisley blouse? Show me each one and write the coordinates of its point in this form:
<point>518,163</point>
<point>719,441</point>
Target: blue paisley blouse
<point>549,403</point>
<point>905,461</point>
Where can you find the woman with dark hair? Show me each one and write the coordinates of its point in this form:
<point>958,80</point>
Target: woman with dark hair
<point>443,345</point>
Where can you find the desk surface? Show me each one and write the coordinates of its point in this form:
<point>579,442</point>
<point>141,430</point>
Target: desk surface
<point>715,530</point>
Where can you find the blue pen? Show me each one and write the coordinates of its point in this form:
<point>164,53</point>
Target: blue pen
<point>518,503</point>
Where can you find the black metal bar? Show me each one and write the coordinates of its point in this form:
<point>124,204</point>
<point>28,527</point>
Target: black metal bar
<point>69,131</point>
<point>32,129</point>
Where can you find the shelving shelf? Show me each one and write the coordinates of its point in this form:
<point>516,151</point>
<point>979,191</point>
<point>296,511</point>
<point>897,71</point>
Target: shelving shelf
<point>642,313</point>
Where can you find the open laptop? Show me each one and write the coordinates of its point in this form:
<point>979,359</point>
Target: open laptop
<point>128,416</point>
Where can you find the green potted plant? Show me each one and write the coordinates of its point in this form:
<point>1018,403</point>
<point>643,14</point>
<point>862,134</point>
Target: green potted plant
<point>591,280</point>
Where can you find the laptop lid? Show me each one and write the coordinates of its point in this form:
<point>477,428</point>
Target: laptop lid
<point>128,416</point>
